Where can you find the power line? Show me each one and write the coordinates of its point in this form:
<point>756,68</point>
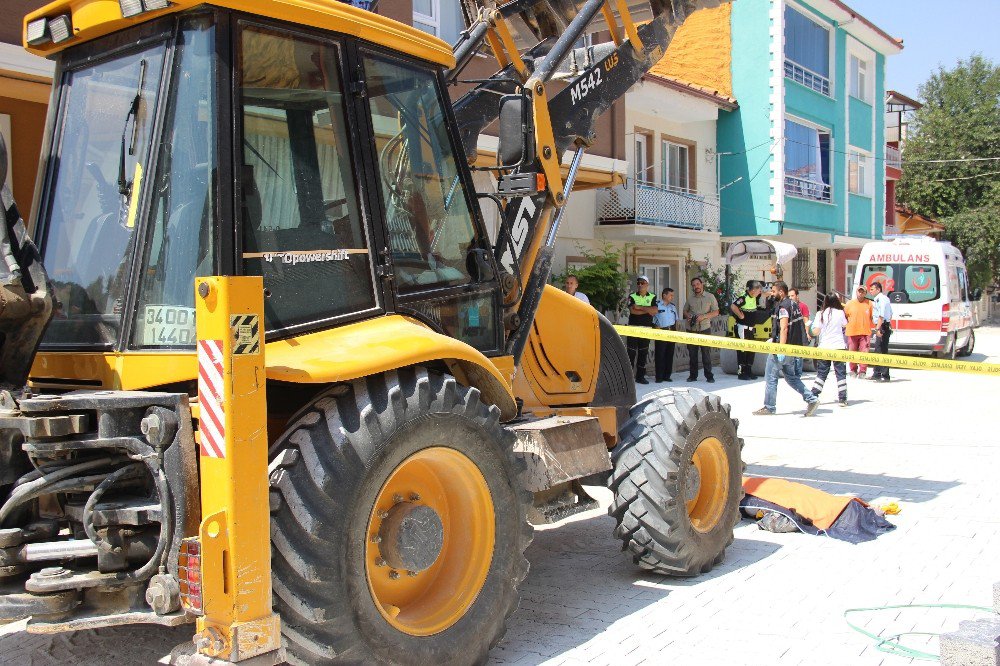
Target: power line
<point>948,180</point>
<point>744,152</point>
<point>770,154</point>
<point>959,159</point>
<point>886,159</point>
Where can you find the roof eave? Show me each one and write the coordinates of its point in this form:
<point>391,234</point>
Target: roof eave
<point>723,102</point>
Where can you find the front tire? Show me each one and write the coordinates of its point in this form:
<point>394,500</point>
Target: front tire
<point>677,482</point>
<point>398,524</point>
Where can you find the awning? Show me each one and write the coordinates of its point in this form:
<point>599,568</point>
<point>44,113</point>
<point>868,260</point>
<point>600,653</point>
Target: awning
<point>741,251</point>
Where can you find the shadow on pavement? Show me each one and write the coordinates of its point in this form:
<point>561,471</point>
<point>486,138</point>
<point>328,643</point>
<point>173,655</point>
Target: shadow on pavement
<point>865,486</point>
<point>580,584</point>
<point>133,645</point>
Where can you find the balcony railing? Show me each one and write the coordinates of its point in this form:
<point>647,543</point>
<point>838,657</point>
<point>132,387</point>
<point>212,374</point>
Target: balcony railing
<point>893,158</point>
<point>806,188</point>
<point>657,205</point>
<point>807,77</point>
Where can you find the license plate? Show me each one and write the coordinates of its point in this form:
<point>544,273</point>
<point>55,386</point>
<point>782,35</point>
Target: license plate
<point>168,325</point>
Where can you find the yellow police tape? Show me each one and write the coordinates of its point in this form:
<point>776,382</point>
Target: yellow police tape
<point>865,358</point>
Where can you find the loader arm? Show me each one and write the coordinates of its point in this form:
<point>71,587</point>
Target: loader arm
<point>594,78</point>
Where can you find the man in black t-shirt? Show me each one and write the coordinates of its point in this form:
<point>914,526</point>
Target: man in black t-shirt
<point>787,328</point>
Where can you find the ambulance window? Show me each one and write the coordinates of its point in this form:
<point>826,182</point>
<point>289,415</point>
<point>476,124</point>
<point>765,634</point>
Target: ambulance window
<point>963,282</point>
<point>883,273</point>
<point>920,282</point>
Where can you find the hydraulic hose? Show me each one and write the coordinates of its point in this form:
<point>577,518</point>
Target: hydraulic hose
<point>30,489</point>
<point>88,508</point>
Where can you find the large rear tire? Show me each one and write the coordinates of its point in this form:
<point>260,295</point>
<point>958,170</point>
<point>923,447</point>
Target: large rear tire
<point>398,524</point>
<point>677,482</point>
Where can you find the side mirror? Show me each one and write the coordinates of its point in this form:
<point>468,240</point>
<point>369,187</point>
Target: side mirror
<point>977,293</point>
<point>516,139</point>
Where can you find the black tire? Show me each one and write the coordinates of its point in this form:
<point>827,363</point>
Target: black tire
<point>652,470</point>
<point>615,377</point>
<point>969,346</point>
<point>327,470</point>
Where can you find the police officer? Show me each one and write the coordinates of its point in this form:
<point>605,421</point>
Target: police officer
<point>747,309</point>
<point>642,307</point>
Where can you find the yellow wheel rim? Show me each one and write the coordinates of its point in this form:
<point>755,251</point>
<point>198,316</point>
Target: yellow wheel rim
<point>706,496</point>
<point>428,601</point>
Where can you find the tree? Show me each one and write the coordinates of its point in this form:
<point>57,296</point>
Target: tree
<point>960,120</point>
<point>603,280</point>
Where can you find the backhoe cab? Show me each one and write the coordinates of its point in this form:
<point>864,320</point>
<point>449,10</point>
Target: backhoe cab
<point>425,390</point>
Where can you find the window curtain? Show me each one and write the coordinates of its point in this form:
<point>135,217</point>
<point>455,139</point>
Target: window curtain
<point>806,43</point>
<point>803,154</point>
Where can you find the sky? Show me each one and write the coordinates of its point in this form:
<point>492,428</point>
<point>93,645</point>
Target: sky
<point>934,33</point>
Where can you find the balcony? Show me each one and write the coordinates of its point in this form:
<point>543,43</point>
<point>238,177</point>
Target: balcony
<point>657,206</point>
<point>807,188</point>
<point>893,158</point>
<point>807,77</point>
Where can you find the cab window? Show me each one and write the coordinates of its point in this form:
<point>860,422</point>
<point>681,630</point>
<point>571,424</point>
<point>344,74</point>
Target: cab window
<point>102,145</point>
<point>302,225</point>
<point>428,219</point>
<point>180,246</point>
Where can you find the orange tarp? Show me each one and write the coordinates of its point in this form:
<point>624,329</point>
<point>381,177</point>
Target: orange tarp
<point>821,508</point>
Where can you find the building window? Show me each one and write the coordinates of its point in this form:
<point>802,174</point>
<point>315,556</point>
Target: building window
<point>859,79</point>
<point>807,52</point>
<point>675,166</point>
<point>858,172</point>
<point>427,16</point>
<point>643,159</point>
<point>807,161</point>
<point>850,269</point>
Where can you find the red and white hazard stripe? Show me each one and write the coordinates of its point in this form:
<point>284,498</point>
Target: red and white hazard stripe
<point>212,424</point>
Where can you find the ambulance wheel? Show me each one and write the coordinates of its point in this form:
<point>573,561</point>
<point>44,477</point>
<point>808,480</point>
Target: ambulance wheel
<point>398,524</point>
<point>969,346</point>
<point>952,348</point>
<point>677,482</point>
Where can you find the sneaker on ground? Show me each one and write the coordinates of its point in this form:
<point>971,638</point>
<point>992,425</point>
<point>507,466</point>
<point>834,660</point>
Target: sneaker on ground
<point>763,411</point>
<point>811,409</point>
<point>843,403</point>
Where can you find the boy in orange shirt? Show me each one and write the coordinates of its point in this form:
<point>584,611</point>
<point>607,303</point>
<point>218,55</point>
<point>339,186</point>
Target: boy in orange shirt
<point>859,328</point>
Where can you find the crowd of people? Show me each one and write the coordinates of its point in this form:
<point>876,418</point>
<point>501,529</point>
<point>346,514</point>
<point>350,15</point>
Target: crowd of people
<point>860,324</point>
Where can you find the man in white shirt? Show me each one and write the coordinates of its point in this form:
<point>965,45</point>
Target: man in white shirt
<point>882,328</point>
<point>573,289</point>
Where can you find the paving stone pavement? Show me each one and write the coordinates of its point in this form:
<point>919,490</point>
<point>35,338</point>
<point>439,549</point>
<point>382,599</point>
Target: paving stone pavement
<point>927,440</point>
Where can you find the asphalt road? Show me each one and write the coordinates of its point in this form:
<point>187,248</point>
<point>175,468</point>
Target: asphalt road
<point>927,440</point>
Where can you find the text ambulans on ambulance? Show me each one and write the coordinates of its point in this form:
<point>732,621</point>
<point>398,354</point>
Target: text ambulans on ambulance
<point>927,283</point>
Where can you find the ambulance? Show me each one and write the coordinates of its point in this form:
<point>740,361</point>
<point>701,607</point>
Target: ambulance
<point>928,285</point>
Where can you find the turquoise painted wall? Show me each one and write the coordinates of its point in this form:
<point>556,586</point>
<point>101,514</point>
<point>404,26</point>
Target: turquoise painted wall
<point>748,200</point>
<point>860,212</point>
<point>807,104</point>
<point>746,208</point>
<point>861,123</point>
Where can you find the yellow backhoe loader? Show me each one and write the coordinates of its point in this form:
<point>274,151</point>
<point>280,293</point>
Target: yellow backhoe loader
<point>266,370</point>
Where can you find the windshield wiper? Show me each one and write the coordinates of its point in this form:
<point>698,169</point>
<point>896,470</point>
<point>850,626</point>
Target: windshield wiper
<point>125,187</point>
